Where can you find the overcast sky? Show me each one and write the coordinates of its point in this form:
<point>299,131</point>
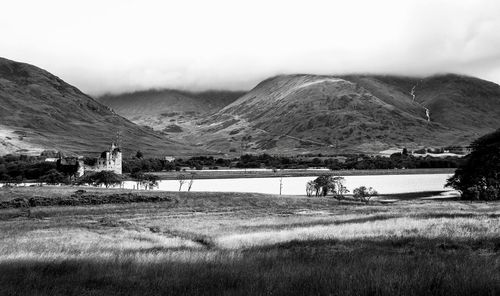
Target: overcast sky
<point>115,46</point>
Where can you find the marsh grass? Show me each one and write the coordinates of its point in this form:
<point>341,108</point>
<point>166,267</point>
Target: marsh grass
<point>247,244</point>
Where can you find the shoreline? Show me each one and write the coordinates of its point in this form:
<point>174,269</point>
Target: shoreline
<point>214,174</point>
<point>45,196</point>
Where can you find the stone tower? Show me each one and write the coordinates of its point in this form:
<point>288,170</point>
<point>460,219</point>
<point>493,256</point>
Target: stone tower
<point>110,160</point>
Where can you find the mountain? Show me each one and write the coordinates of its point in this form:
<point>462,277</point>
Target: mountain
<point>463,103</point>
<point>40,111</point>
<point>353,113</point>
<point>169,110</point>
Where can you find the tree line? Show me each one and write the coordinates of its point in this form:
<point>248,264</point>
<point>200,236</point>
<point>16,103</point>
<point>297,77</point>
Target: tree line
<point>348,162</point>
<point>19,168</point>
<point>477,176</point>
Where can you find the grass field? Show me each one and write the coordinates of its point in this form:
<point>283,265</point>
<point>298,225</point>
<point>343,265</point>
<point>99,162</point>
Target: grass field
<point>246,244</point>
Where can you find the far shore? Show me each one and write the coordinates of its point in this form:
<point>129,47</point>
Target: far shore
<point>234,174</point>
<point>240,174</point>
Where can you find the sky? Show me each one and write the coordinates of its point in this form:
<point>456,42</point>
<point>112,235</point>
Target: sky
<point>115,46</point>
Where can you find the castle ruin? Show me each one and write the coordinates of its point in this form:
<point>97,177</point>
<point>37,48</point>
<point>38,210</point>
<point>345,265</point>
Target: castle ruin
<point>72,166</point>
<point>110,160</point>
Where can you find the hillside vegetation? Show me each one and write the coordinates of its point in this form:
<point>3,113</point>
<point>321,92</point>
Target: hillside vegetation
<point>292,114</point>
<point>287,114</point>
<point>354,113</point>
<point>171,111</point>
<point>40,111</point>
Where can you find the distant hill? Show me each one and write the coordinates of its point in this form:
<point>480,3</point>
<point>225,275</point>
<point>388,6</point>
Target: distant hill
<point>169,110</point>
<point>355,113</point>
<point>40,111</point>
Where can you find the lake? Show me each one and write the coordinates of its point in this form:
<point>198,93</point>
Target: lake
<point>384,184</point>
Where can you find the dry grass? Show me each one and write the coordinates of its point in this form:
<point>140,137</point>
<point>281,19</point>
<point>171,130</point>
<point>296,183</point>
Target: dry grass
<point>248,244</point>
<point>395,228</point>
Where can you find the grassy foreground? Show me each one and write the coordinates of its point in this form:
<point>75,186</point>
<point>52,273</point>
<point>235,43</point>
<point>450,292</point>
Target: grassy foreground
<point>247,244</point>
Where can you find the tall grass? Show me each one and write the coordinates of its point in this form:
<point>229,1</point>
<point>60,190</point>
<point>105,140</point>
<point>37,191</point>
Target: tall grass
<point>284,270</point>
<point>252,245</point>
<point>445,228</point>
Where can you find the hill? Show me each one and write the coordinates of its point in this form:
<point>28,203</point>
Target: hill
<point>355,113</point>
<point>171,111</point>
<point>461,102</point>
<point>40,111</point>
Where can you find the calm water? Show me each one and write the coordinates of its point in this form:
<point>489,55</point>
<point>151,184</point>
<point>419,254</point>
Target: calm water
<point>296,185</point>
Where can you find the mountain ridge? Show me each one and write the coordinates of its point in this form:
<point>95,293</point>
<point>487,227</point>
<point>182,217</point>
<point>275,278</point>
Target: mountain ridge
<point>365,113</point>
<point>169,110</point>
<point>52,114</point>
<point>284,114</point>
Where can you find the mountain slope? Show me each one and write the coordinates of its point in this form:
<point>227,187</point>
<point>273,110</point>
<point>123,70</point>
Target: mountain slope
<point>366,113</point>
<point>167,109</point>
<point>40,111</point>
<point>461,102</point>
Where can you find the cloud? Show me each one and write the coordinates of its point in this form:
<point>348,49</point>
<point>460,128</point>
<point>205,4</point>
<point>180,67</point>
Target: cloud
<point>116,46</point>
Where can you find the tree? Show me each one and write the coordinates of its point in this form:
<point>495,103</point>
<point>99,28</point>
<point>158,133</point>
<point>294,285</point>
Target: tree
<point>324,184</point>
<point>69,167</point>
<point>53,177</point>
<point>182,179</point>
<point>106,178</point>
<point>478,178</point>
<point>310,187</point>
<point>364,194</point>
<point>191,181</point>
<point>139,154</point>
<point>339,190</point>
<point>148,181</point>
